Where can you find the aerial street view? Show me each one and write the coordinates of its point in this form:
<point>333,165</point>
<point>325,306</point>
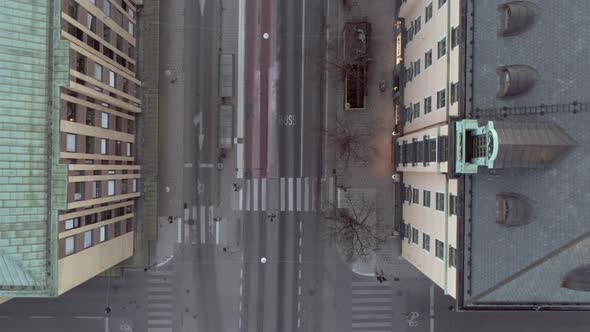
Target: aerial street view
<point>294,165</point>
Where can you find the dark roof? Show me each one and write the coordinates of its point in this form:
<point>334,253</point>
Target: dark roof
<point>526,264</point>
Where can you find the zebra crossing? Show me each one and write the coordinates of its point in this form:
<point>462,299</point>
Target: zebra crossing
<point>282,194</point>
<point>159,300</point>
<point>371,305</point>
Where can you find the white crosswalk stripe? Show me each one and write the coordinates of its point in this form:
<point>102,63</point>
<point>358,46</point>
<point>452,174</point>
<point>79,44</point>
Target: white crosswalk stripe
<point>160,299</point>
<point>371,306</point>
<point>295,194</point>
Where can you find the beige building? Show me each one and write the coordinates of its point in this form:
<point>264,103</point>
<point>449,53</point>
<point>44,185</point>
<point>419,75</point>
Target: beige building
<point>97,122</point>
<point>430,97</point>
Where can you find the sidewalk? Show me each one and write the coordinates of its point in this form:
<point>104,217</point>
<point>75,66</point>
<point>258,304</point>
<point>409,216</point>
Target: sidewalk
<point>378,120</point>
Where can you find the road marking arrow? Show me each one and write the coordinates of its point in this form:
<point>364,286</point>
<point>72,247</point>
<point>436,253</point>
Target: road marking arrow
<point>202,4</point>
<point>198,121</point>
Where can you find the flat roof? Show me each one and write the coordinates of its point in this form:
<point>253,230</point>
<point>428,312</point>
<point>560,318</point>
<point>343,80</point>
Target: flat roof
<point>526,264</point>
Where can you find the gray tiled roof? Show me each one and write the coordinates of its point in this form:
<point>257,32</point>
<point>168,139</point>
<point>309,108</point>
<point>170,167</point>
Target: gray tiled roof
<point>557,47</point>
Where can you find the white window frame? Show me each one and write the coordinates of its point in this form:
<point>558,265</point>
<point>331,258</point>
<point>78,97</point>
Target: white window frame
<point>104,120</point>
<point>71,142</point>
<point>436,242</point>
<point>87,239</point>
<point>95,186</point>
<point>103,146</point>
<point>415,239</point>
<point>131,28</point>
<point>112,78</point>
<point>424,236</point>
<point>436,201</point>
<point>72,223</point>
<point>70,245</point>
<point>134,185</point>
<point>128,149</point>
<point>111,188</point>
<point>103,234</point>
<point>106,7</point>
<point>98,69</point>
<point>414,189</point>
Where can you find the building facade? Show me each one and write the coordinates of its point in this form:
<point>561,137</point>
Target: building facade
<point>429,79</point>
<point>77,96</point>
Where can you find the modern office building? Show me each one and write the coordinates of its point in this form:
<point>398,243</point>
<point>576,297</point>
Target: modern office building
<point>68,177</point>
<point>491,150</point>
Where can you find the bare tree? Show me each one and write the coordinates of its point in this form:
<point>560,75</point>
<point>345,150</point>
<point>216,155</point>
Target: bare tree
<point>352,142</point>
<point>353,228</point>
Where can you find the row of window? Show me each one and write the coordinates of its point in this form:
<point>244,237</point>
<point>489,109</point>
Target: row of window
<point>413,110</point>
<point>416,24</point>
<point>80,188</point>
<point>89,241</point>
<point>412,196</point>
<point>425,151</point>
<point>105,118</point>
<point>439,246</point>
<point>72,145</point>
<point>106,9</point>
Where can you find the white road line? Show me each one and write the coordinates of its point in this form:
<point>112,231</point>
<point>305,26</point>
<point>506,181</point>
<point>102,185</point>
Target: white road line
<point>240,323</point>
<point>159,322</point>
<point>327,79</point>
<point>159,329</point>
<point>300,225</point>
<point>186,214</point>
<point>159,281</point>
<point>160,289</point>
<point>241,273</point>
<point>312,194</point>
<point>290,189</point>
<point>152,297</point>
<point>331,189</point>
<point>240,289</point>
<point>302,83</point>
<point>206,165</point>
<point>217,232</point>
<point>248,206</point>
<point>299,194</point>
<point>431,308</point>
<point>41,317</point>
<point>299,290</point>
<point>188,165</point>
<point>298,305</point>
<point>282,190</point>
<point>160,305</point>
<point>106,324</point>
<point>241,199</point>
<point>159,313</point>
<point>203,231</point>
<point>240,306</point>
<point>299,274</point>
<point>195,213</point>
<point>255,194</point>
<point>79,317</point>
<point>240,88</point>
<point>306,195</point>
<point>179,224</point>
<point>299,258</point>
<point>263,198</point>
<point>300,242</point>
<point>298,322</point>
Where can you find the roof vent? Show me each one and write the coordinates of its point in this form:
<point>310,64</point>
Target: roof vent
<point>515,79</point>
<point>578,279</point>
<point>516,17</point>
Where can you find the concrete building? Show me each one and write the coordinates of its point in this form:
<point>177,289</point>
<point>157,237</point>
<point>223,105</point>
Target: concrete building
<point>493,179</point>
<point>491,150</point>
<point>68,177</point>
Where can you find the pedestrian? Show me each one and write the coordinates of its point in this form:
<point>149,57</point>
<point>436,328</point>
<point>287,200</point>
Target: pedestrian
<point>170,219</point>
<point>107,310</point>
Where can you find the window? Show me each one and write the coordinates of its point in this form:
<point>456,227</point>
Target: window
<point>442,47</point>
<point>440,201</point>
<point>93,2</point>
<point>112,78</point>
<point>427,105</point>
<point>415,196</point>
<point>70,245</point>
<point>104,120</point>
<point>73,9</point>
<point>416,110</point>
<point>72,223</point>
<point>103,233</point>
<point>98,71</point>
<point>454,37</point>
<point>407,230</point>
<point>432,149</point>
<point>103,146</point>
<point>87,239</point>
<point>96,189</point>
<point>91,22</point>
<point>106,33</point>
<point>417,24</point>
<point>106,7</point>
<point>439,249</point>
<point>443,148</point>
<point>71,112</point>
<point>453,205</point>
<point>408,194</point>
<point>70,143</point>
<point>454,92</point>
<point>130,29</point>
<point>134,185</point>
<point>452,257</point>
<point>131,12</point>
<point>415,235</point>
<point>117,231</point>
<point>441,3</point>
<point>111,188</point>
<point>128,149</point>
<point>441,99</point>
<point>428,59</point>
<point>426,198</point>
<point>417,67</point>
<point>426,242</point>
<point>89,117</point>
<point>78,191</point>
<point>428,13</point>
